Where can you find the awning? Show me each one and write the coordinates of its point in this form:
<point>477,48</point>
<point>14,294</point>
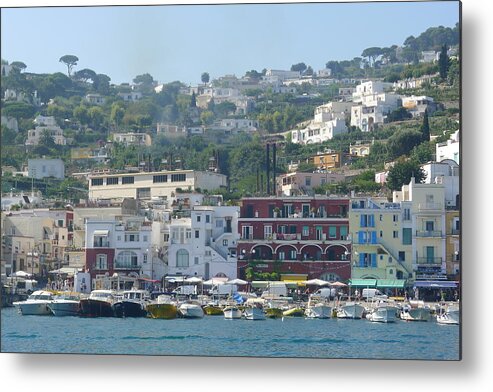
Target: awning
<point>101,232</point>
<point>391,283</point>
<point>363,282</point>
<point>438,284</point>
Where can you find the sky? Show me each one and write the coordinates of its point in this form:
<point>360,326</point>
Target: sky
<point>180,42</point>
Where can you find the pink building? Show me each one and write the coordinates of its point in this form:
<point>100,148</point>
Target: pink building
<point>295,235</point>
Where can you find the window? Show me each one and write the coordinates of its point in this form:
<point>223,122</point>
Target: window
<point>131,237</point>
<point>225,242</point>
<point>196,260</point>
<point>407,236</point>
<point>198,218</point>
<point>197,234</point>
<point>182,258</point>
<point>292,254</point>
<point>127,259</point>
<point>145,238</point>
<point>406,214</point>
<point>402,256</point>
<point>395,218</point>
<point>332,232</point>
<point>127,180</point>
<point>267,232</point>
<point>178,177</point>
<point>207,219</point>
<point>367,220</point>
<point>343,232</point>
<point>101,262</point>
<point>96,181</point>
<point>166,237</point>
<point>308,181</point>
<point>381,233</point>
<point>112,181</point>
<point>282,255</point>
<point>306,231</point>
<point>395,234</point>
<point>188,234</point>
<point>145,258</point>
<point>219,223</point>
<point>160,178</point>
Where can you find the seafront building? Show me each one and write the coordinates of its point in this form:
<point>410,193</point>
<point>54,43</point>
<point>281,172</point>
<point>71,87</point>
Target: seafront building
<point>295,237</point>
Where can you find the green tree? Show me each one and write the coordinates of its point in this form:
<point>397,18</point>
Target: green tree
<point>145,83</point>
<point>299,67</point>
<point>443,63</point>
<point>81,114</point>
<point>117,113</point>
<point>403,141</point>
<point>96,117</point>
<point>401,173</point>
<point>205,77</point>
<point>70,61</point>
<point>425,128</point>
<point>85,75</point>
<point>101,83</point>
<point>19,65</point>
<point>206,117</point>
<point>372,54</point>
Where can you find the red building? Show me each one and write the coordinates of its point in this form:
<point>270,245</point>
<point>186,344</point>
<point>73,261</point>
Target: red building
<point>295,236</point>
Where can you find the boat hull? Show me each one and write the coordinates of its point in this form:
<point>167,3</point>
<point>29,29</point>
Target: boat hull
<point>254,314</point>
<point>384,314</point>
<point>34,308</point>
<point>231,313</point>
<point>213,310</point>
<point>162,311</point>
<point>95,308</point>
<point>318,311</point>
<point>64,308</point>
<point>294,312</point>
<point>415,314</point>
<point>129,309</point>
<point>351,311</point>
<point>273,312</point>
<point>194,311</point>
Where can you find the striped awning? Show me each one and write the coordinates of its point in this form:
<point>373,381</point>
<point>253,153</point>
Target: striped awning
<point>391,283</point>
<point>362,282</point>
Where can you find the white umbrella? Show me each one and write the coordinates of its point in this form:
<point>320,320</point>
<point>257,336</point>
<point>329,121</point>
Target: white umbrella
<point>21,274</point>
<point>316,282</point>
<point>237,281</point>
<point>338,284</point>
<point>214,281</point>
<point>193,279</point>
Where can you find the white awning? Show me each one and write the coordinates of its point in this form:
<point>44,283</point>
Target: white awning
<point>101,232</point>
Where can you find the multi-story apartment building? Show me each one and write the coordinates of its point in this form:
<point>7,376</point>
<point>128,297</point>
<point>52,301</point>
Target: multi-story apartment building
<point>449,149</point>
<point>428,227</point>
<point>381,234</point>
<point>453,249</point>
<point>305,236</point>
<point>301,183</point>
<point>148,185</point>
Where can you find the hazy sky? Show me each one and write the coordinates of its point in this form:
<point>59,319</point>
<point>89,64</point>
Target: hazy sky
<point>181,42</point>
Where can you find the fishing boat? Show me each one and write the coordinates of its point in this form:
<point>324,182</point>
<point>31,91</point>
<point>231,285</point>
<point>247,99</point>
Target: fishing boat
<point>36,304</point>
<point>132,304</point>
<point>448,315</point>
<point>213,308</point>
<point>164,307</point>
<point>191,309</point>
<point>98,304</point>
<point>232,312</point>
<point>317,307</point>
<point>383,313</point>
<point>350,310</point>
<point>66,304</point>
<point>254,312</point>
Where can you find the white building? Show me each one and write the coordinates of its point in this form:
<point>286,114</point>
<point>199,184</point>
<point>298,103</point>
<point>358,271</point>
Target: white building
<point>204,244</point>
<point>328,121</point>
<point>233,125</point>
<point>447,174</point>
<point>95,99</point>
<point>449,149</point>
<point>276,75</point>
<point>148,185</point>
<point>48,125</point>
<point>131,96</point>
<point>132,138</point>
<point>416,105</point>
<point>169,130</point>
<point>42,168</point>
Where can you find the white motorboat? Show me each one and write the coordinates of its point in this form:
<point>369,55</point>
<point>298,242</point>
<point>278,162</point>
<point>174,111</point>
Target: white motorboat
<point>410,313</point>
<point>36,304</point>
<point>318,308</point>
<point>383,313</point>
<point>67,304</point>
<point>191,309</point>
<point>254,312</point>
<point>232,312</point>
<point>350,310</point>
<point>449,315</point>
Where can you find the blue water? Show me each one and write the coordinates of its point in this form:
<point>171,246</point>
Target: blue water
<point>215,336</point>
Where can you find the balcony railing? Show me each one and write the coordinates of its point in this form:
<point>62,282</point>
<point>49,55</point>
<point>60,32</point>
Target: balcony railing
<point>429,260</point>
<point>430,206</point>
<point>429,233</point>
<point>127,266</point>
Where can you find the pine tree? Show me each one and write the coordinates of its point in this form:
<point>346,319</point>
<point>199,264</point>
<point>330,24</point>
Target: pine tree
<point>443,63</point>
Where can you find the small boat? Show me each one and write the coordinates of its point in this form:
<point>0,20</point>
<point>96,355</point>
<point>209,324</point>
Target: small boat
<point>232,312</point>
<point>132,304</point>
<point>275,307</point>
<point>162,308</point>
<point>383,313</point>
<point>66,304</point>
<point>191,309</point>
<point>36,304</point>
<point>273,312</point>
<point>98,304</point>
<point>295,311</point>
<point>449,315</point>
<point>350,310</point>
<point>254,312</point>
<point>213,309</point>
<point>410,313</point>
<point>318,308</point>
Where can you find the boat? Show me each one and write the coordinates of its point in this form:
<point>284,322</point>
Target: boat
<point>275,307</point>
<point>294,311</point>
<point>213,308</point>
<point>191,309</point>
<point>317,307</point>
<point>273,312</point>
<point>65,304</point>
<point>448,315</point>
<point>132,304</point>
<point>413,313</point>
<point>350,310</point>
<point>164,307</point>
<point>98,304</point>
<point>383,313</point>
<point>36,304</point>
<point>232,312</point>
<point>254,312</point>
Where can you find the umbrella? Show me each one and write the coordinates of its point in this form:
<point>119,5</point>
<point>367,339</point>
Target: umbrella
<point>21,274</point>
<point>193,279</point>
<point>338,284</point>
<point>237,281</point>
<point>214,281</point>
<point>316,282</point>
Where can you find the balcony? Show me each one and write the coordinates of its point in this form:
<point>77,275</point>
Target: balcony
<point>429,207</point>
<point>101,244</point>
<point>431,261</point>
<point>126,266</point>
<point>429,233</point>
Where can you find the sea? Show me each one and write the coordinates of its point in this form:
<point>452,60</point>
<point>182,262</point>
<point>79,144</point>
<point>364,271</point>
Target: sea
<point>214,336</point>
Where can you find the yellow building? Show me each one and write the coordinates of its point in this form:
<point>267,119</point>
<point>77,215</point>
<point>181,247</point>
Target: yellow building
<point>453,258</point>
<point>327,161</point>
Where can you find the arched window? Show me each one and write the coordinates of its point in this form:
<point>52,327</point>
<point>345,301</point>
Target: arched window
<point>182,258</point>
<point>126,259</point>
